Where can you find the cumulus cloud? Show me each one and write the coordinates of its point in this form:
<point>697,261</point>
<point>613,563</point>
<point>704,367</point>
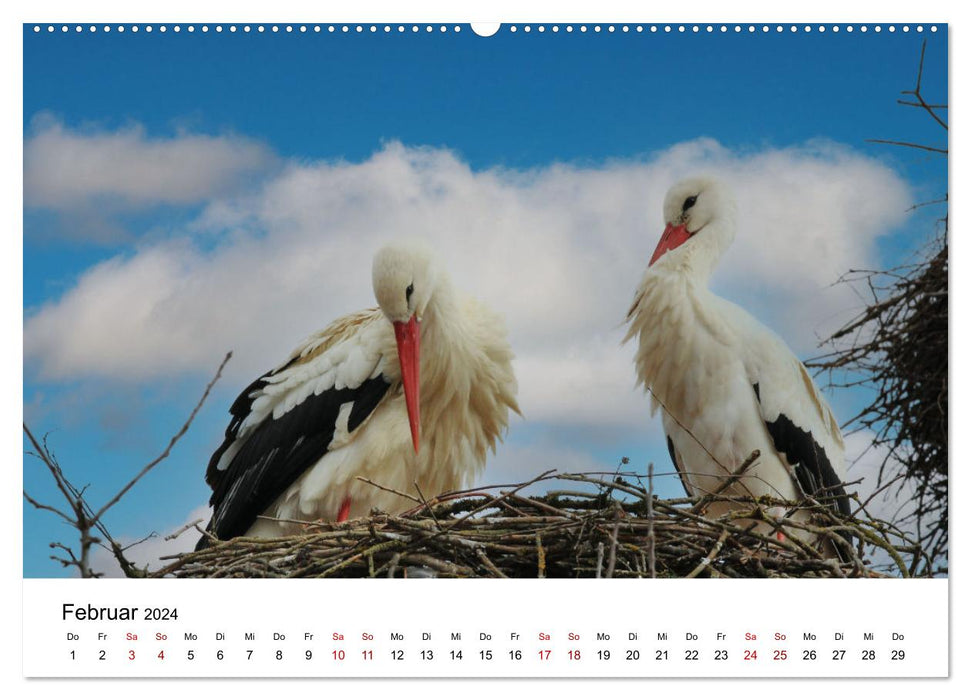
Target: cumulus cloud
<point>864,461</point>
<point>149,552</point>
<point>558,250</point>
<point>85,174</point>
<point>515,464</point>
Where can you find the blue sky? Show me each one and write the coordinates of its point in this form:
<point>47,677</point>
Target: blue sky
<point>513,99</point>
<point>219,135</point>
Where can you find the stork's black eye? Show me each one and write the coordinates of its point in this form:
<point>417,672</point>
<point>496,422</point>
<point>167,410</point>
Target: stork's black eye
<point>688,203</point>
<point>408,292</point>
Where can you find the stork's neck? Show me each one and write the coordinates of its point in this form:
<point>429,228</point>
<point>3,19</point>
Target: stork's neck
<point>674,313</point>
<point>467,383</point>
<point>439,325</point>
<point>700,256</point>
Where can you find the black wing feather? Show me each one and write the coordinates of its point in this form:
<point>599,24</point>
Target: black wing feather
<point>278,451</point>
<point>239,410</point>
<point>814,472</point>
<point>674,461</point>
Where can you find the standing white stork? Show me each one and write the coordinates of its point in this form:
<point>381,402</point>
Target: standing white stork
<point>415,391</point>
<point>726,384</point>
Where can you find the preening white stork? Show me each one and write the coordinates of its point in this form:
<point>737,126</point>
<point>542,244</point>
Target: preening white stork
<point>726,385</point>
<point>417,390</point>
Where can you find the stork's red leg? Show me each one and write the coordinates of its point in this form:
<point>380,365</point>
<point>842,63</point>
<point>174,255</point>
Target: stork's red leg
<point>345,510</point>
<point>778,512</point>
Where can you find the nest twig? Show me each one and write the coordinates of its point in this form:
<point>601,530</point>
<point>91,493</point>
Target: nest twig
<point>618,530</point>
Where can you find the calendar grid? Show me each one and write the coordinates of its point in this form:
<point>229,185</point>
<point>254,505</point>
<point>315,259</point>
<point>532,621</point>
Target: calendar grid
<point>555,628</point>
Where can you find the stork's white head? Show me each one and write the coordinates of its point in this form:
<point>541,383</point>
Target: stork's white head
<point>697,208</point>
<point>405,276</point>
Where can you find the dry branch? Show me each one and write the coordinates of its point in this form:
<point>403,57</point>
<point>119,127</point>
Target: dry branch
<point>85,518</point>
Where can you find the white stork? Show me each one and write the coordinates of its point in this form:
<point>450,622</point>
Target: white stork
<point>414,391</point>
<point>726,384</point>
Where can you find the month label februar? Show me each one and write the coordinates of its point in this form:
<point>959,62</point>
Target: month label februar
<point>421,628</point>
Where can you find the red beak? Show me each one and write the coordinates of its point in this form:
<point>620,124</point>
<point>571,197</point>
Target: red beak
<point>409,348</point>
<point>672,237</point>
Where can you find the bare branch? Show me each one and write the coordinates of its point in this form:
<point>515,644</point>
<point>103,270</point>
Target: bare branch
<point>918,104</point>
<point>41,506</point>
<point>85,519</point>
<point>187,526</point>
<point>175,438</point>
<point>907,144</point>
<point>916,91</point>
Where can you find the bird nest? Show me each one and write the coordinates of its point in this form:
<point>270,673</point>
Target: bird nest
<point>899,344</point>
<point>616,529</point>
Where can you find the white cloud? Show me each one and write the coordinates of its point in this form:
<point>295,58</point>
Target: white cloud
<point>558,250</point>
<point>149,553</point>
<point>864,461</point>
<point>81,171</point>
<point>516,464</point>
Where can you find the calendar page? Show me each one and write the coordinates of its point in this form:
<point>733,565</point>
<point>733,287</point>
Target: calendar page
<point>527,349</point>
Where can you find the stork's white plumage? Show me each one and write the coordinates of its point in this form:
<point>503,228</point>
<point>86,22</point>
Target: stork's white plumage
<point>726,385</point>
<point>417,390</point>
